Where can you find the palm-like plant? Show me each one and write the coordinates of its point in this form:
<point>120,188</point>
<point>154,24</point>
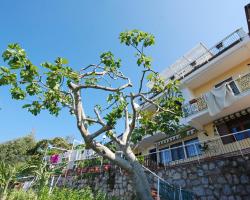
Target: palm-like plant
<point>40,172</point>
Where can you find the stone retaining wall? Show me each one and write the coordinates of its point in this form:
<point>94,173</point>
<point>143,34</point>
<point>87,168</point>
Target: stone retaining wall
<point>222,179</point>
<point>114,183</point>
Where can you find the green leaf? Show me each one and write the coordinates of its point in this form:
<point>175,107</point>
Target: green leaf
<point>61,61</point>
<point>17,93</point>
<point>136,37</point>
<point>33,89</point>
<point>65,61</point>
<point>150,76</point>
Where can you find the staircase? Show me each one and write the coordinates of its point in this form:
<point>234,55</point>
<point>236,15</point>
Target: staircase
<point>162,190</point>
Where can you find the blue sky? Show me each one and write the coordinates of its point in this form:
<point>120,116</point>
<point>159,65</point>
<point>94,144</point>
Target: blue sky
<point>80,30</point>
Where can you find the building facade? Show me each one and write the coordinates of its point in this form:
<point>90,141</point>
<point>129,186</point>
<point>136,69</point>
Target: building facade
<point>215,83</point>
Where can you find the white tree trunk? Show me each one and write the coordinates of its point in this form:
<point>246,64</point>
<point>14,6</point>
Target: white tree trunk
<point>140,182</point>
<point>130,164</point>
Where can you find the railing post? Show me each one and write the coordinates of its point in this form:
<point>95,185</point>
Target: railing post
<point>51,184</point>
<point>158,188</point>
<point>58,180</point>
<point>180,195</point>
<point>196,151</point>
<point>157,156</point>
<point>238,145</point>
<point>184,149</point>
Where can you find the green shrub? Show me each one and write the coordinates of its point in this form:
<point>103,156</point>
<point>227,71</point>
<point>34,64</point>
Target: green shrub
<point>22,195</point>
<point>58,194</point>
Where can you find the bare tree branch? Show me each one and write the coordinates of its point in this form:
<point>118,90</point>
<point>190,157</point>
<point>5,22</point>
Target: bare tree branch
<point>90,120</point>
<point>89,66</point>
<point>155,104</point>
<point>100,131</point>
<point>100,87</point>
<point>80,115</point>
<point>107,153</point>
<point>100,120</point>
<point>142,79</point>
<point>127,135</point>
<point>93,73</point>
<point>99,148</point>
<point>108,107</point>
<point>115,139</point>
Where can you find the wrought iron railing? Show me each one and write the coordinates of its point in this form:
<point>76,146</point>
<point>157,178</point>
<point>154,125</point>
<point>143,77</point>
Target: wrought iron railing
<point>244,82</point>
<point>238,86</point>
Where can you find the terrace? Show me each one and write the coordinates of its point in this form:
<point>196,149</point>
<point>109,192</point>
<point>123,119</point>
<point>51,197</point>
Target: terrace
<point>197,151</point>
<point>205,56</point>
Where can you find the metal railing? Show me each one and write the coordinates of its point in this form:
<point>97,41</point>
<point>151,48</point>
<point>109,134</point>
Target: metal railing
<point>227,145</point>
<point>165,190</point>
<point>198,105</point>
<point>238,86</point>
<point>212,53</point>
<point>222,46</point>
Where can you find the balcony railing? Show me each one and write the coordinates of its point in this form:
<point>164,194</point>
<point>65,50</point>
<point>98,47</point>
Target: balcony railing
<point>222,46</point>
<point>238,86</point>
<point>227,145</point>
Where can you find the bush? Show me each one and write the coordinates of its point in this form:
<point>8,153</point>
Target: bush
<point>22,195</point>
<point>58,194</point>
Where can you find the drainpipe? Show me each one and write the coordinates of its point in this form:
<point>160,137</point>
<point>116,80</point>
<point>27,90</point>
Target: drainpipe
<point>247,11</point>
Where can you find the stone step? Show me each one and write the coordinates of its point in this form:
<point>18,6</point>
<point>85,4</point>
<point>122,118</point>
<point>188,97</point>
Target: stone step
<point>154,194</point>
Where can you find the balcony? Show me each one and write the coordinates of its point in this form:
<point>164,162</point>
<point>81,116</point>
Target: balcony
<point>198,151</point>
<point>198,107</point>
<point>193,70</point>
<point>227,43</point>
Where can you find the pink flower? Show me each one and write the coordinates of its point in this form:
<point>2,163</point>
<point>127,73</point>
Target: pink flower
<point>54,158</point>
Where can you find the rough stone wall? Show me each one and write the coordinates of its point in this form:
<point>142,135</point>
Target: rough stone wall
<point>113,183</point>
<point>222,179</point>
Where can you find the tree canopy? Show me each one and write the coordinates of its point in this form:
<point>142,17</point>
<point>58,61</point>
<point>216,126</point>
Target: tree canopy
<point>15,151</point>
<point>53,86</point>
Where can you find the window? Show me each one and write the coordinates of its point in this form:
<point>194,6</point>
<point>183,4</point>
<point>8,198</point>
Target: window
<point>232,85</point>
<point>177,151</point>
<point>192,147</point>
<point>153,155</point>
<point>165,156</point>
<point>240,126</point>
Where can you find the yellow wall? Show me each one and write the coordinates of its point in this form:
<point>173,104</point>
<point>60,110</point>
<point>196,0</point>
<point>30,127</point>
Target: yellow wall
<point>234,72</point>
<point>209,129</point>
